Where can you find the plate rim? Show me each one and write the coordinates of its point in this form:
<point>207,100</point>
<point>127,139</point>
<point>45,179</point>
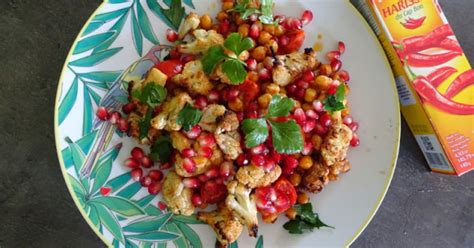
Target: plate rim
<point>364,225</point>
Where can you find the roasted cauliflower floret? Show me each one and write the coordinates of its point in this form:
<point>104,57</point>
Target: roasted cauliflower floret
<point>243,204</point>
<point>176,195</point>
<point>336,144</point>
<point>316,177</point>
<point>179,141</point>
<point>218,74</point>
<point>202,165</point>
<point>209,117</point>
<point>194,78</point>
<point>204,40</point>
<point>227,136</point>
<point>227,226</point>
<point>254,177</point>
<point>190,23</point>
<point>291,66</point>
<point>171,108</point>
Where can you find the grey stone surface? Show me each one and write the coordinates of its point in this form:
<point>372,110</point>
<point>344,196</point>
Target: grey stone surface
<point>421,209</point>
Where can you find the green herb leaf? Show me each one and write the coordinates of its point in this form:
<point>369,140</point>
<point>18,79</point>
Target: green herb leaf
<point>336,102</point>
<point>305,220</point>
<point>280,106</point>
<point>161,149</point>
<point>248,12</point>
<point>189,117</point>
<point>256,131</point>
<point>152,94</point>
<point>145,124</point>
<point>287,137</point>
<point>267,12</point>
<point>237,44</point>
<point>214,56</point>
<point>175,14</point>
<point>234,70</point>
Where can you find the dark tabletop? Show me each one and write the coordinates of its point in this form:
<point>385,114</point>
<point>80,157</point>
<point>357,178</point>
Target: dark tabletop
<point>421,209</point>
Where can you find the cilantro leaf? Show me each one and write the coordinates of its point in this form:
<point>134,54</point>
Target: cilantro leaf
<point>237,44</point>
<point>336,102</point>
<point>162,149</point>
<point>248,12</point>
<point>151,94</point>
<point>189,117</point>
<point>145,124</point>
<point>267,12</point>
<point>256,131</point>
<point>287,137</point>
<point>234,70</point>
<point>212,58</point>
<point>280,106</point>
<point>305,220</point>
<point>175,14</point>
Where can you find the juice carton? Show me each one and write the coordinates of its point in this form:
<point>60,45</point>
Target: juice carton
<point>434,79</point>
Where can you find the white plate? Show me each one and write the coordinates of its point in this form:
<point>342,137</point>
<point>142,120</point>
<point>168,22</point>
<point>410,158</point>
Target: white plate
<point>108,45</point>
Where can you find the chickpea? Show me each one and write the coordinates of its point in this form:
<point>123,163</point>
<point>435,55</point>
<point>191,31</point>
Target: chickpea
<point>303,198</point>
<point>259,53</point>
<point>264,37</point>
<point>306,162</point>
<point>264,100</point>
<point>272,45</point>
<point>310,95</point>
<point>345,112</point>
<point>236,105</point>
<point>215,27</point>
<point>322,82</point>
<point>272,89</point>
<point>325,69</point>
<point>283,91</point>
<point>244,30</point>
<point>295,179</point>
<point>206,22</point>
<point>307,106</point>
<point>270,28</point>
<point>297,156</point>
<point>317,141</point>
<point>279,30</point>
<point>291,213</point>
<point>259,25</point>
<point>252,76</point>
<point>244,56</point>
<point>222,16</point>
<point>297,104</point>
<point>227,5</point>
<point>238,19</point>
<point>270,218</point>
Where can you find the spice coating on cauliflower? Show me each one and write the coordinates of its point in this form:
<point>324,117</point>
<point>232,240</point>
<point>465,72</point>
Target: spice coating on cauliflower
<point>226,226</point>
<point>176,195</point>
<point>243,204</point>
<point>167,119</point>
<point>291,66</point>
<point>254,177</point>
<point>204,41</point>
<point>336,144</point>
<point>190,23</point>
<point>194,78</point>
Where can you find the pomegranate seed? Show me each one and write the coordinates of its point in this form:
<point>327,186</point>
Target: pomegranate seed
<point>263,74</point>
<point>191,183</point>
<point>284,41</point>
<point>224,95</point>
<point>174,54</point>
<point>253,17</point>
<point>242,160</point>
<point>226,169</point>
<point>240,116</point>
<point>207,140</point>
<point>269,164</point>
<point>146,162</point>
<point>354,126</point>
<point>171,35</point>
<point>115,117</point>
<point>320,129</point>
<point>157,110</point>
<point>344,75</point>
<point>299,115</point>
<point>325,120</point>
<point>232,94</point>
<point>318,106</point>
<point>129,108</point>
<point>194,132</point>
<point>132,163</point>
<point>257,150</point>
<point>309,126</point>
<point>219,180</point>
<point>347,120</point>
<point>161,205</point>
<point>275,156</point>
<point>200,102</point>
<point>187,58</point>
<point>146,181</point>
<point>212,173</point>
<point>188,153</point>
<point>332,90</point>
<point>102,114</point>
<point>105,191</point>
<point>300,93</point>
<point>279,18</point>
<point>154,188</point>
<point>268,63</point>
<point>302,84</point>
<point>122,125</point>
<point>257,160</point>
<point>336,65</point>
<point>136,174</point>
<point>203,178</point>
<point>311,114</point>
<point>252,64</point>
<point>254,31</point>
<point>308,76</point>
<point>224,26</point>
<point>213,96</point>
<point>333,55</point>
<point>196,200</point>
<point>156,175</point>
<point>307,149</point>
<point>307,17</point>
<point>137,153</point>
<point>252,106</point>
<point>206,152</point>
<point>189,165</point>
<point>295,23</point>
<point>341,46</point>
<point>251,114</point>
<point>355,142</point>
<point>291,89</point>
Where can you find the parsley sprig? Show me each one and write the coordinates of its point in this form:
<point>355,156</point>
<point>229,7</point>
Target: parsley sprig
<point>151,94</point>
<point>266,10</point>
<point>305,220</point>
<point>189,117</point>
<point>336,102</point>
<point>233,67</point>
<point>286,136</point>
<point>162,149</point>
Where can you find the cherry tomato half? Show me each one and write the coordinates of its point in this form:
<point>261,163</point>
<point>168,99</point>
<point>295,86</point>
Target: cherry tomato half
<point>249,90</point>
<point>212,192</point>
<point>275,199</point>
<point>170,67</point>
<point>296,40</point>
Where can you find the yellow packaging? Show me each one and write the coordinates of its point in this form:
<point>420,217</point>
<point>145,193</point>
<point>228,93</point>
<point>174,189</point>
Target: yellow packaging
<point>434,78</point>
